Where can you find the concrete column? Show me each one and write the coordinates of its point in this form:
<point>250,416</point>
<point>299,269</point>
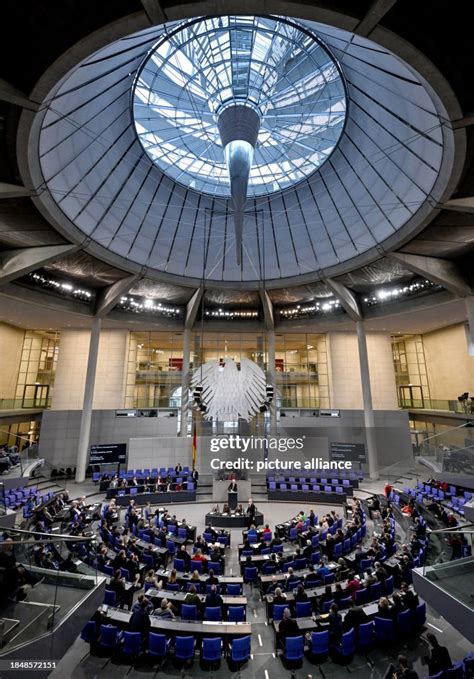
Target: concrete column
<point>271,378</point>
<point>185,381</point>
<point>367,401</point>
<point>470,324</point>
<point>85,429</point>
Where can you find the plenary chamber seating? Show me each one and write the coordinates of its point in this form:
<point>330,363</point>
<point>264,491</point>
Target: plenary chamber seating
<point>330,489</point>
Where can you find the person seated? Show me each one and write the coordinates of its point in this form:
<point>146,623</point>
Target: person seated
<point>165,611</point>
<point>279,597</point>
<point>195,577</point>
<point>439,659</point>
<point>343,571</point>
<point>226,509</point>
<point>312,579</point>
<point>212,579</point>
<point>192,597</point>
<point>151,579</point>
<point>212,532</point>
<point>327,595</point>
<point>355,617</point>
<point>291,578</point>
<point>398,605</point>
<point>198,556</point>
<point>385,610</point>
<point>353,585</point>
<point>323,569</point>
<point>184,555</point>
<point>380,572</point>
<point>301,594</point>
<point>214,599</point>
<point>267,530</point>
<point>369,578</point>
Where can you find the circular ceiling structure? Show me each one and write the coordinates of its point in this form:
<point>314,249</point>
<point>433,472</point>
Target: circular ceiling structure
<point>351,151</point>
<point>194,73</point>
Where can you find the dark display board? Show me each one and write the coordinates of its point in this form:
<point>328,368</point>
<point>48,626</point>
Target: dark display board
<point>108,453</point>
<point>348,452</point>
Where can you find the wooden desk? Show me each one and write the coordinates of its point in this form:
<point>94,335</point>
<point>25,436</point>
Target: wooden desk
<point>172,628</point>
<point>177,599</point>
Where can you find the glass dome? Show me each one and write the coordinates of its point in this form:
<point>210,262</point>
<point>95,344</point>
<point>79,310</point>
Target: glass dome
<point>270,65</point>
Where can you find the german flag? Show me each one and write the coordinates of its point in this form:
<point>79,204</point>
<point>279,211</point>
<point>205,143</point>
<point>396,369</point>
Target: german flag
<point>194,449</point>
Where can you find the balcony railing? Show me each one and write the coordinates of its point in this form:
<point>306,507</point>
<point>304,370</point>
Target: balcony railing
<point>452,406</point>
<point>24,403</point>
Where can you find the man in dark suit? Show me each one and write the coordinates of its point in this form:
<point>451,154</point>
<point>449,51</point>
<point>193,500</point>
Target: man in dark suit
<point>287,627</point>
<point>232,486</point>
<point>402,671</point>
<point>214,599</point>
<point>355,617</point>
<point>140,619</point>
<point>251,512</point>
<point>439,660</point>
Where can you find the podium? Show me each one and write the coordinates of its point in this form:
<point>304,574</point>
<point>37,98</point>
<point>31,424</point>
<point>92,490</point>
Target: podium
<point>232,499</point>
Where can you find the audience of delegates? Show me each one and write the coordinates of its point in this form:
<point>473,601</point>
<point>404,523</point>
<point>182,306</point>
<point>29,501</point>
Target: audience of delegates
<point>118,528</point>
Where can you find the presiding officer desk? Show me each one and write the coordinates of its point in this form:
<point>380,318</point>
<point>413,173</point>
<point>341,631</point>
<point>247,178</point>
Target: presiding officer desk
<point>172,628</point>
<point>178,598</point>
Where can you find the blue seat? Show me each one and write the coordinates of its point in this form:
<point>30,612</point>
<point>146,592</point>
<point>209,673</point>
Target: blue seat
<point>365,563</point>
<point>216,567</point>
<point>456,671</point>
<point>293,534</point>
<point>388,586</point>
<point>269,568</point>
<point>420,614</point>
<point>110,597</point>
<point>319,649</point>
<point>234,590</point>
<point>213,613</point>
<point>346,649</point>
<point>125,573</point>
<point>211,652</point>
<point>315,558</point>
<point>132,644</point>
<point>109,637</point>
<point>278,611</point>
<point>345,603</point>
<point>172,587</point>
<point>240,651</point>
<point>189,612</point>
<point>277,549</point>
<point>361,596</point>
<point>196,565</point>
<point>303,609</point>
<point>109,570</point>
<point>236,613</point>
<point>375,591</point>
<point>329,579</point>
<point>184,648</point>
<point>293,651</point>
<point>89,631</point>
<point>326,605</point>
<point>250,574</point>
<point>338,550</point>
<point>384,630</point>
<point>366,636</point>
<point>405,623</point>
<point>183,533</point>
<point>149,561</point>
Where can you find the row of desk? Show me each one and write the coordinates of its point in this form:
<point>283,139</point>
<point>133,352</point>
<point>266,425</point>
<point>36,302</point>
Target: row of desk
<point>227,631</point>
<point>311,496</point>
<point>177,599</point>
<point>152,498</point>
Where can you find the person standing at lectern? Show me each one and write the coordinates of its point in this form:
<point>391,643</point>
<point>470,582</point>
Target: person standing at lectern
<point>232,487</point>
<point>178,468</point>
